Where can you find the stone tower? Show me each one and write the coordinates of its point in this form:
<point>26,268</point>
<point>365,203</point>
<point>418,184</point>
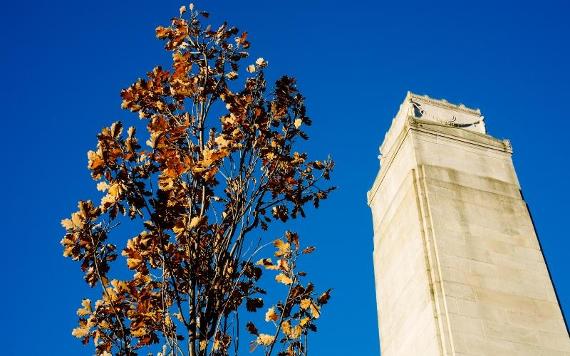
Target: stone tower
<point>458,266</point>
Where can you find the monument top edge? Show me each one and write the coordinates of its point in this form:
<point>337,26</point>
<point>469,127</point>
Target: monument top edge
<point>422,107</point>
<point>410,96</point>
<point>439,111</point>
<point>440,102</point>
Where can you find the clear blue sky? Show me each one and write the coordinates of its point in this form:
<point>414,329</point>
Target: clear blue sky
<point>64,62</point>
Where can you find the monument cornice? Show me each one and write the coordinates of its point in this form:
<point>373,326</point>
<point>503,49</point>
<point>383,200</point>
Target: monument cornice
<point>439,130</point>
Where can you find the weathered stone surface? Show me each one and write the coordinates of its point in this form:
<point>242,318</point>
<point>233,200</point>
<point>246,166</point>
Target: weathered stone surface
<point>457,262</point>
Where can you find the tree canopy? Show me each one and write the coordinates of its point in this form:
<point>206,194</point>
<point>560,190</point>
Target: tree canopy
<point>218,168</point>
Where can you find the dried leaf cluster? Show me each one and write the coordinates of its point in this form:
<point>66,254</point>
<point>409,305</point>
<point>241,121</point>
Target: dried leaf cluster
<point>219,164</point>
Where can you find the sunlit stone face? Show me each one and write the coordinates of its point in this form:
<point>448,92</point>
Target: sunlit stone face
<point>458,267</point>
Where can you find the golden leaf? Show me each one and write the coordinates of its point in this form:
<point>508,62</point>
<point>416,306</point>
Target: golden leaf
<point>102,186</point>
<point>221,141</point>
<point>298,123</point>
<point>305,303</point>
<point>165,183</point>
<point>267,263</point>
<point>292,332</point>
<point>283,265</point>
<point>271,315</point>
<point>68,250</point>
<point>67,223</point>
<point>80,331</point>
<point>77,220</point>
<point>107,201</point>
<point>283,248</point>
<point>182,9</point>
<point>315,310</point>
<point>213,156</point>
<point>281,278</point>
<point>85,309</point>
<point>203,345</point>
<point>264,262</point>
<point>110,296</point>
<point>133,263</point>
<point>197,220</point>
<point>138,332</point>
<point>178,229</point>
<point>232,75</point>
<point>265,339</point>
<point>261,62</point>
<point>119,286</point>
<point>250,68</point>
<point>304,321</point>
<point>152,141</point>
<point>94,160</point>
<point>115,190</point>
<point>286,327</point>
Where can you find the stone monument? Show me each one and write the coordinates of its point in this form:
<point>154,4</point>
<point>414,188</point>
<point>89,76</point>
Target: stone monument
<point>458,266</point>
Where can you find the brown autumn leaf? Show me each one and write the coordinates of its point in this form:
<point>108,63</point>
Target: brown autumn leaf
<point>293,238</point>
<point>252,304</point>
<point>308,250</point>
<point>324,298</point>
<point>271,315</point>
<point>251,328</point>
<point>162,32</point>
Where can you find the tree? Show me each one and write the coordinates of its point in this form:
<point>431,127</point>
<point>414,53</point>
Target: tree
<point>220,164</point>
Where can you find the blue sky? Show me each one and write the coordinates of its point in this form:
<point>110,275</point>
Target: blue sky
<point>64,63</point>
